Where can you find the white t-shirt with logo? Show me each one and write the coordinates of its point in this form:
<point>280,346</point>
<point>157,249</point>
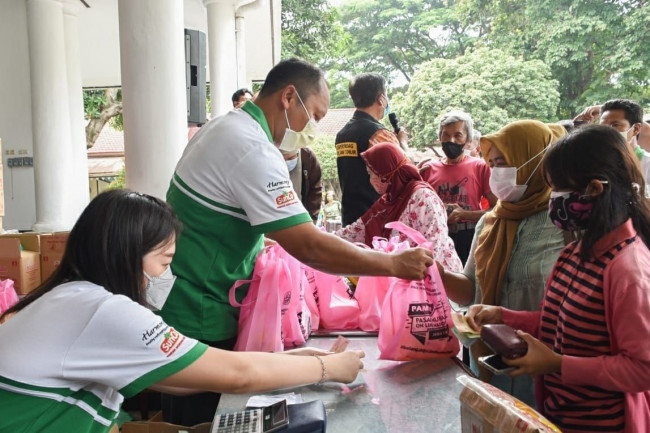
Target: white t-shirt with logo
<point>230,187</point>
<point>69,359</point>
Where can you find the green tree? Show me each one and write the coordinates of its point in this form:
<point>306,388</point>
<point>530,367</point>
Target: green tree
<point>395,36</point>
<point>494,87</point>
<point>101,107</point>
<point>311,31</point>
<point>596,50</point>
<point>324,149</point>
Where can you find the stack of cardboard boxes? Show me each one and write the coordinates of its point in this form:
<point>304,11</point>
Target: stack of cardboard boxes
<point>30,258</point>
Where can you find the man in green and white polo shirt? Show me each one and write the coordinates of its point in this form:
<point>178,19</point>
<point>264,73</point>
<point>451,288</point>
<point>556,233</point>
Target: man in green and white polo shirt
<point>232,186</point>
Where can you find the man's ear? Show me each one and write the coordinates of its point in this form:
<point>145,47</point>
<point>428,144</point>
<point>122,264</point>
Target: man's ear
<point>287,95</point>
<point>637,128</point>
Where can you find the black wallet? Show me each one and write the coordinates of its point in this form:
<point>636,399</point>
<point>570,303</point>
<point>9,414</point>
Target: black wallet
<point>503,340</point>
<point>308,417</point>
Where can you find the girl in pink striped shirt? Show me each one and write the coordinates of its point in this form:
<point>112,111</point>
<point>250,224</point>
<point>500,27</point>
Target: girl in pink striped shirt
<point>587,346</point>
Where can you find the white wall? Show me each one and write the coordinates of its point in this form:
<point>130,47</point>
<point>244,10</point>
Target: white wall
<point>262,49</point>
<point>15,115</point>
<point>100,67</point>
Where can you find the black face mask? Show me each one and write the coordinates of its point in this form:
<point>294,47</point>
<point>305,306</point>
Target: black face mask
<point>452,150</point>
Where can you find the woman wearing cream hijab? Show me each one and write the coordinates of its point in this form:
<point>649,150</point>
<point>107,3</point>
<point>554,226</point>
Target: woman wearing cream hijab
<point>515,244</point>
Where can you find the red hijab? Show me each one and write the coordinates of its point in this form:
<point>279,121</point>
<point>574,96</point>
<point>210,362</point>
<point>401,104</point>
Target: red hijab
<point>391,165</point>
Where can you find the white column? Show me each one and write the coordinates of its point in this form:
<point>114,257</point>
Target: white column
<point>50,114</point>
<point>78,173</point>
<point>240,36</point>
<point>222,55</point>
<point>152,55</point>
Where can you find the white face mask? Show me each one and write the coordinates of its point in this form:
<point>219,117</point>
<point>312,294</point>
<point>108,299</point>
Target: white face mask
<point>159,288</point>
<point>291,164</point>
<point>295,140</point>
<point>503,181</point>
<point>624,133</point>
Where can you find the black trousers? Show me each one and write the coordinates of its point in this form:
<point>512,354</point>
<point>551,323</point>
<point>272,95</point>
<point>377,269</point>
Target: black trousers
<point>194,409</point>
<point>463,243</point>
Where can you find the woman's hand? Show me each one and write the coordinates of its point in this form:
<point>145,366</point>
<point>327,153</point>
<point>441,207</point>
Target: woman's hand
<point>539,359</point>
<point>481,314</point>
<point>343,367</point>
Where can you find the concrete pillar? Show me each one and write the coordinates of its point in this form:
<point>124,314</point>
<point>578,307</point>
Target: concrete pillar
<point>222,55</point>
<point>152,56</point>
<point>240,36</point>
<point>78,173</point>
<point>50,115</point>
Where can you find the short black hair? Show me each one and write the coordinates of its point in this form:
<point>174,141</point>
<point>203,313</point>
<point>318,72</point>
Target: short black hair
<point>633,111</point>
<point>365,88</point>
<point>307,78</point>
<point>108,242</point>
<point>567,124</point>
<point>239,93</point>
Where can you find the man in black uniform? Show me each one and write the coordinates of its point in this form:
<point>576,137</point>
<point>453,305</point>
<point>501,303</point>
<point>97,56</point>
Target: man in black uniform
<point>368,93</point>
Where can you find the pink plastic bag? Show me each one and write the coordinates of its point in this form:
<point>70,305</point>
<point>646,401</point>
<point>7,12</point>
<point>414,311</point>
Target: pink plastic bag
<point>260,317</point>
<point>371,291</point>
<point>8,296</point>
<point>274,313</point>
<point>337,307</point>
<point>296,316</point>
<point>416,316</point>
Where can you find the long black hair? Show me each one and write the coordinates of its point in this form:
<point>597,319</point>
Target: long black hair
<point>600,152</point>
<point>108,242</point>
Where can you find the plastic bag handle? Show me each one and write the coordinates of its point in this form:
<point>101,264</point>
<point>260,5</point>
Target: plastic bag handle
<point>410,232</point>
<point>233,289</point>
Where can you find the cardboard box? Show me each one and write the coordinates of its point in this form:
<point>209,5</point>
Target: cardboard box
<point>486,409</point>
<point>52,249</point>
<point>157,425</point>
<point>24,267</point>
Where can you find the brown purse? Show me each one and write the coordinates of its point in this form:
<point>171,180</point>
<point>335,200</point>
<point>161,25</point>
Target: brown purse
<point>503,340</point>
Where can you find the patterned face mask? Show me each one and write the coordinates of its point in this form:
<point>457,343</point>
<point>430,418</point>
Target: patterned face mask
<point>570,211</point>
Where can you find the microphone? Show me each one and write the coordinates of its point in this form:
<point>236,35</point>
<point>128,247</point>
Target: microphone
<point>394,121</point>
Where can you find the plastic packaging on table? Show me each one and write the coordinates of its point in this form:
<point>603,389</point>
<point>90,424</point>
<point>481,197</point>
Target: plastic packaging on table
<point>486,408</point>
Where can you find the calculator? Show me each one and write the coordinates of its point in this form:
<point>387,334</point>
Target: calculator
<point>261,420</point>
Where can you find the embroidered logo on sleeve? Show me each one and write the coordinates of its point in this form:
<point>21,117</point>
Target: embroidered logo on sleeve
<point>172,341</point>
<point>278,185</point>
<point>287,198</point>
<point>349,149</point>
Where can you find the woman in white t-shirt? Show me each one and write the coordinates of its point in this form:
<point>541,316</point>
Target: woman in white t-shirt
<point>73,349</point>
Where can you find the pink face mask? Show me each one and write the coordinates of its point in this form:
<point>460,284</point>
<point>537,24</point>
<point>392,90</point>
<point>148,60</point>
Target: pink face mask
<point>377,184</point>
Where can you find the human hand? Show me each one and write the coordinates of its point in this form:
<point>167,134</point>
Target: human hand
<point>412,263</point>
<point>456,214</point>
<point>588,115</point>
<point>403,138</point>
<point>539,359</point>
<point>481,314</point>
<point>340,345</point>
<point>420,165</point>
<point>343,367</point>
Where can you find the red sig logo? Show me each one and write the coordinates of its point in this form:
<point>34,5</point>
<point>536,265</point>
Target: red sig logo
<point>172,339</point>
<point>286,197</point>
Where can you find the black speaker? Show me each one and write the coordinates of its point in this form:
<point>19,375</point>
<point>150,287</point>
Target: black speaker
<point>195,82</point>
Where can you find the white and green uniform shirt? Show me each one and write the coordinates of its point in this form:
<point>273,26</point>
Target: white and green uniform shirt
<point>230,187</point>
<point>69,359</point>
<point>644,161</point>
